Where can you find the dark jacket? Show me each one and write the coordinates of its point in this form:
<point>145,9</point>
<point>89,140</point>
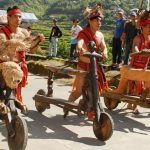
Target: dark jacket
<point>55,32</point>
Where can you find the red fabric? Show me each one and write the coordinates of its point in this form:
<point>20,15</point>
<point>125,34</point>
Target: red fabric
<point>87,35</point>
<point>14,11</point>
<point>22,63</point>
<point>144,22</point>
<point>139,62</point>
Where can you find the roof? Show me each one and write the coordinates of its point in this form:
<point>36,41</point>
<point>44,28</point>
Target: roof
<point>26,17</point>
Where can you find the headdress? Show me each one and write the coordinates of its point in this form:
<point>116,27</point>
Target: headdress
<point>144,18</point>
<point>95,12</point>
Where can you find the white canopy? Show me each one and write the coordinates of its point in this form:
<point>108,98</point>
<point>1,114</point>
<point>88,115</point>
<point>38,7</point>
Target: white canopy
<point>26,17</point>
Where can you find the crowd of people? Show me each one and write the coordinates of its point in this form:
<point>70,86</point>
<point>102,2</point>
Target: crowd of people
<point>130,35</point>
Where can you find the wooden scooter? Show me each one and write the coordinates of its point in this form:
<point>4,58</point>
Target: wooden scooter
<point>102,124</point>
<point>16,126</point>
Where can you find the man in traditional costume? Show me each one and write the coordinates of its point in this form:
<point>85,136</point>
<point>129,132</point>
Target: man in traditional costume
<point>89,33</point>
<point>13,29</point>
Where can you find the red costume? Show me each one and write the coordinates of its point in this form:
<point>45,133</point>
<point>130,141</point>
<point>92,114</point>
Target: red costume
<point>21,55</point>
<point>140,62</point>
<point>88,36</point>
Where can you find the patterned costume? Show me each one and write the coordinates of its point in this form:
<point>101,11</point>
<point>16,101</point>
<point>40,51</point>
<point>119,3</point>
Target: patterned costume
<point>21,61</point>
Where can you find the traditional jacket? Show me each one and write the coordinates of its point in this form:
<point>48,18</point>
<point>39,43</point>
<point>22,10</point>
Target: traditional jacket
<point>21,55</point>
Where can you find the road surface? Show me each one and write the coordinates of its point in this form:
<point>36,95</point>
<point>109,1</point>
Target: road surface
<point>49,131</point>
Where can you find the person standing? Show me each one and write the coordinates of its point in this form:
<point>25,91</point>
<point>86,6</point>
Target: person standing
<point>53,38</point>
<point>14,17</point>
<point>74,33</point>
<point>128,35</point>
<point>117,43</point>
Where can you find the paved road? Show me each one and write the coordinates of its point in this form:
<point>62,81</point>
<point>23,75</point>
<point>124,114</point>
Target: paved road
<point>49,131</point>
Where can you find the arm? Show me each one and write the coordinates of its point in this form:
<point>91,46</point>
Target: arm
<point>81,49</point>
<point>136,44</point>
<point>35,43</point>
<point>103,48</point>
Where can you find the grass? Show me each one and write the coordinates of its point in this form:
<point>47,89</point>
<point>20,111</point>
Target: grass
<point>44,27</point>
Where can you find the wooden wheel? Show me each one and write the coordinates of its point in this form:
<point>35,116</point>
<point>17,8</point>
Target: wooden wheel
<point>104,128</point>
<point>19,140</point>
<point>110,104</point>
<point>41,92</point>
<point>40,106</point>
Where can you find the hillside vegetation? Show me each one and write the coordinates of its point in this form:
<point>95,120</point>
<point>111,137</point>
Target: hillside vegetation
<point>65,11</point>
<point>68,8</point>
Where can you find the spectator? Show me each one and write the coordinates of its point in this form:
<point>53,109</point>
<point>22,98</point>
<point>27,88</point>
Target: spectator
<point>128,35</point>
<point>54,35</point>
<point>117,43</point>
<point>74,33</point>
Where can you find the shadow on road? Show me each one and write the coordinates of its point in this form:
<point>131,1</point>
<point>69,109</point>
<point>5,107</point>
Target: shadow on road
<point>56,124</point>
<point>127,122</point>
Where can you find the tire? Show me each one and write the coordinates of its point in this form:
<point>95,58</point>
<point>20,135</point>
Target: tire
<point>41,107</point>
<point>19,141</point>
<point>110,104</point>
<point>103,130</point>
<point>41,92</point>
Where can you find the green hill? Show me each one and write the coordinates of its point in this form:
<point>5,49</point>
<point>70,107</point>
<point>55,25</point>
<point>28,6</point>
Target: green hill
<point>67,8</point>
<point>65,11</point>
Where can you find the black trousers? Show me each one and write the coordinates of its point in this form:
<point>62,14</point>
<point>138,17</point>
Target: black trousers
<point>117,50</point>
<point>73,51</point>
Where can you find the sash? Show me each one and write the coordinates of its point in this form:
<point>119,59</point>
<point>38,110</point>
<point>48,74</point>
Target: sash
<point>87,35</point>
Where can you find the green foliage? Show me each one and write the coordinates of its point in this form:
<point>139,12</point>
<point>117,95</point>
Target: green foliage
<point>65,11</point>
<point>63,48</point>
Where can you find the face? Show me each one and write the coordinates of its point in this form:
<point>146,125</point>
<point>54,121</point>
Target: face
<point>15,20</point>
<point>95,24</point>
<point>146,29</point>
<point>120,15</point>
<point>132,18</point>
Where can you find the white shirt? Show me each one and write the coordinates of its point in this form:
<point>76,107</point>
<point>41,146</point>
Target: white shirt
<point>74,31</point>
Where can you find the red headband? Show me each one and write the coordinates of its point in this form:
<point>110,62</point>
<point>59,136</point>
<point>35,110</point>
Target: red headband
<point>144,22</point>
<point>14,11</point>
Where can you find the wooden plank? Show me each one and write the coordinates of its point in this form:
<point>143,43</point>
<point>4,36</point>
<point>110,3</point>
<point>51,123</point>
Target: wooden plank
<point>54,101</point>
<point>121,97</point>
<point>35,56</point>
<point>64,70</point>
